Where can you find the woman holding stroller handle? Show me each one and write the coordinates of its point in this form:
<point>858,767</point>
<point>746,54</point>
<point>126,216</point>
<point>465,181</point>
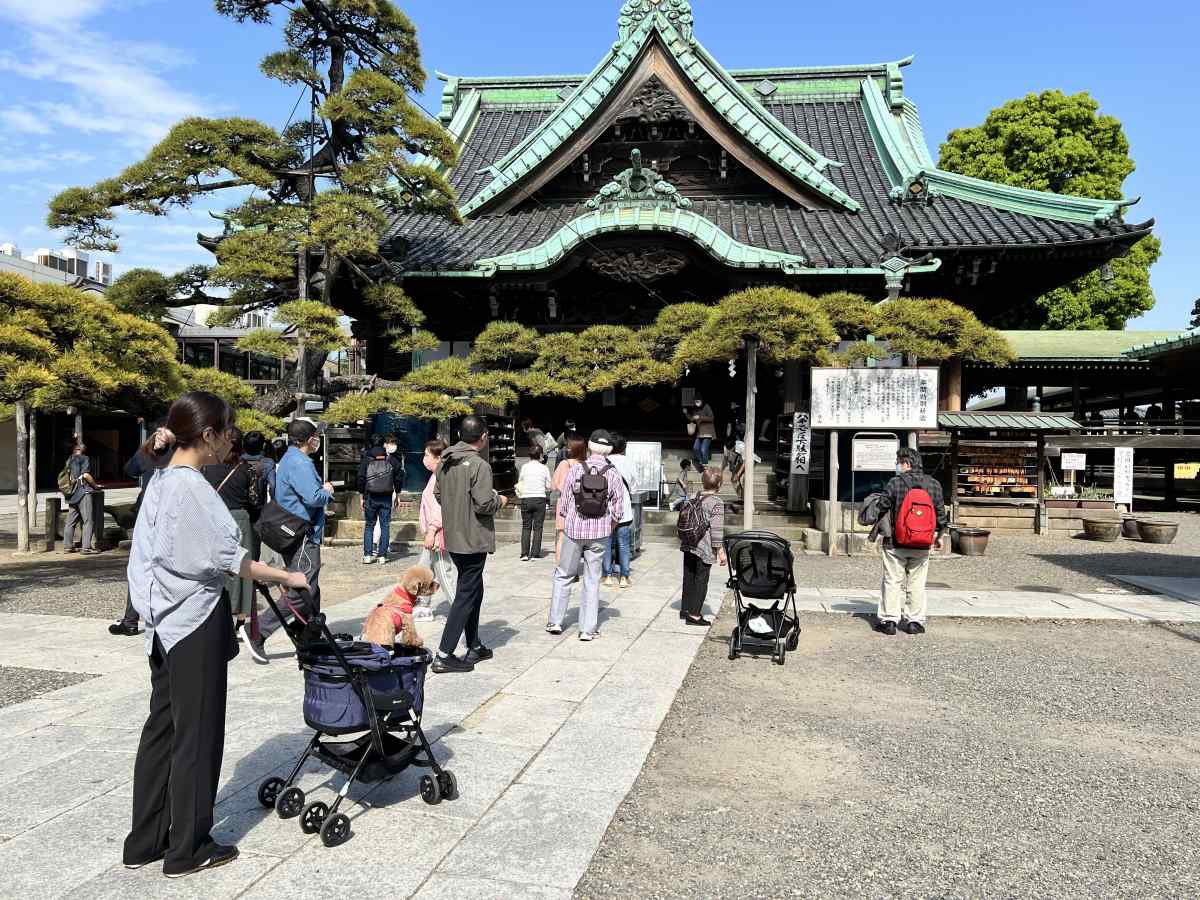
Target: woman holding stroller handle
<point>185,543</point>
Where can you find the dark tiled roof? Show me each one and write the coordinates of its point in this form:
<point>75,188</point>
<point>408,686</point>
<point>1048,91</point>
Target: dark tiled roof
<point>827,237</point>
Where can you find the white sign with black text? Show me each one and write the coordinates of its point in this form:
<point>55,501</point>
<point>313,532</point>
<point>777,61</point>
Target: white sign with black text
<point>1123,475</point>
<point>801,443</point>
<point>875,454</point>
<point>1074,462</point>
<point>874,398</point>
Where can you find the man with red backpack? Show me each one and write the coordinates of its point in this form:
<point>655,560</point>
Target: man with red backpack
<point>913,505</point>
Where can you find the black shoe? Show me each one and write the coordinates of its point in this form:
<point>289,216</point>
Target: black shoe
<point>914,628</point>
<point>445,664</point>
<point>478,654</point>
<point>217,855</point>
<point>258,652</point>
<point>128,629</point>
<point>888,628</point>
<point>700,621</point>
<point>146,862</point>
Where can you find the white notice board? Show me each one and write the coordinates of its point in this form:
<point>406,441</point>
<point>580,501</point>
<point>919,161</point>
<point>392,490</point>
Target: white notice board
<point>1123,475</point>
<point>646,459</point>
<point>875,454</point>
<point>1074,462</point>
<point>874,398</point>
<point>801,443</point>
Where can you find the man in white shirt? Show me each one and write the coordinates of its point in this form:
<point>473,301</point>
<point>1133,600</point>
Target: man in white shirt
<point>533,490</point>
<point>620,541</point>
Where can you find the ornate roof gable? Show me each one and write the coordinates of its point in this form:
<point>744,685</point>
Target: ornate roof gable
<point>738,115</point>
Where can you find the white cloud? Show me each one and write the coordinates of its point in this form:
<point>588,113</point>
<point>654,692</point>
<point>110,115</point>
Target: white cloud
<point>24,120</point>
<point>50,13</point>
<point>42,162</point>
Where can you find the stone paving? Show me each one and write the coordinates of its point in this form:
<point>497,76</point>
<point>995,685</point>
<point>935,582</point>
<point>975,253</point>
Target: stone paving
<point>545,740</point>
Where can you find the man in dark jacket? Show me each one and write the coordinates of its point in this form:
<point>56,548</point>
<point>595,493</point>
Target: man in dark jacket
<point>380,481</point>
<point>469,506</point>
<point>903,600</point>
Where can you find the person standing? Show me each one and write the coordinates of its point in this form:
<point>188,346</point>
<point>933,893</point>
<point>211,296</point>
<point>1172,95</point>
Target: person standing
<point>533,486</point>
<point>469,505</point>
<point>591,503</point>
<point>706,431</point>
<point>380,481</point>
<point>234,481</point>
<point>574,451</point>
<point>914,506</point>
<point>254,445</point>
<point>299,491</point>
<point>433,553</point>
<point>707,547</point>
<point>141,468</point>
<point>79,500</point>
<point>618,551</point>
<point>185,543</point>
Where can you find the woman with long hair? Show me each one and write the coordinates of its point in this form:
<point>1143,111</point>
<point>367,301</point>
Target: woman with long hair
<point>433,552</point>
<point>576,449</point>
<point>233,478</point>
<point>185,544</point>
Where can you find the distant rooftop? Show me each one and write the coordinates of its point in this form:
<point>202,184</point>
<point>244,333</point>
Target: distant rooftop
<point>1081,344</point>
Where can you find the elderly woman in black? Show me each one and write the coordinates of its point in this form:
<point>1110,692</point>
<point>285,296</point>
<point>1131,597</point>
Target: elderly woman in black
<point>185,543</point>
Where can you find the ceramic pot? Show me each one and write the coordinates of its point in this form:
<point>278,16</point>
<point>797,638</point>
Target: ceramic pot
<point>971,541</point>
<point>1101,529</point>
<point>1157,532</point>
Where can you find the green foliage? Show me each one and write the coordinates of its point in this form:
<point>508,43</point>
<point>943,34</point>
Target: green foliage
<point>933,330</point>
<point>1062,144</point>
<point>414,341</point>
<point>789,325</point>
<point>233,390</point>
<point>268,342</point>
<point>505,345</point>
<point>143,292</point>
<point>673,324</point>
<point>355,408</point>
<point>539,384</point>
<point>1195,322</point>
<point>316,324</point>
<point>852,316</point>
<point>253,420</point>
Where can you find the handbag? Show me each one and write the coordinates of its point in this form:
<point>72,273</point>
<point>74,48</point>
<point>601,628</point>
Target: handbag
<point>280,530</point>
<point>691,429</point>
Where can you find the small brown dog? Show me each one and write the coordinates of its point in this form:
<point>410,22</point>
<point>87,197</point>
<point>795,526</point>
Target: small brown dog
<point>391,622</point>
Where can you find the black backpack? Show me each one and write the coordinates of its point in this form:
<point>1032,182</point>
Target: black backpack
<point>379,476</point>
<point>591,493</point>
<point>693,523</point>
<point>256,489</point>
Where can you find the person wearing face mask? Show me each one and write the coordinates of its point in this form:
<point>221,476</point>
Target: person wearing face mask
<point>704,421</point>
<point>380,481</point>
<point>299,490</point>
<point>185,545</point>
<point>433,552</point>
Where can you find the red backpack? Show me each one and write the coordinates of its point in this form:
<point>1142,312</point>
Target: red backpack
<point>916,521</point>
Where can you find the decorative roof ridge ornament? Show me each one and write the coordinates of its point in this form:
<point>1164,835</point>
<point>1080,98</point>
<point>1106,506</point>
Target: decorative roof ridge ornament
<point>639,186</point>
<point>677,12</point>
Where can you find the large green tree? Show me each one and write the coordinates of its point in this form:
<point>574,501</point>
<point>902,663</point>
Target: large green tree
<point>308,203</point>
<point>1062,144</point>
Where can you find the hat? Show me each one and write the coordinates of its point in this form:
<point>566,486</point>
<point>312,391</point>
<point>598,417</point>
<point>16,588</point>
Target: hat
<point>601,438</point>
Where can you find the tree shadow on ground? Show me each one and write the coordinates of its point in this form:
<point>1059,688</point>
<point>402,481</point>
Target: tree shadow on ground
<point>54,571</point>
<point>1110,565</point>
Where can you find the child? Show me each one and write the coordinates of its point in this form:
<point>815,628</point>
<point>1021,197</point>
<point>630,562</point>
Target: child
<point>682,488</point>
<point>736,465</point>
<point>706,547</point>
<point>391,622</point>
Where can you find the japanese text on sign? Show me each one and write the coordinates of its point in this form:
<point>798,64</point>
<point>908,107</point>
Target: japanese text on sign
<point>874,398</point>
<point>1123,475</point>
<point>877,455</point>
<point>801,443</point>
<point>1074,462</point>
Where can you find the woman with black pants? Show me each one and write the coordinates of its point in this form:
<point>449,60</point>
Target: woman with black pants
<point>185,543</point>
<point>533,486</point>
<point>698,560</point>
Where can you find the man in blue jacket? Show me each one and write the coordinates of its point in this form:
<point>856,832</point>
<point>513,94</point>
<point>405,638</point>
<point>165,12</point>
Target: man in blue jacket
<point>299,490</point>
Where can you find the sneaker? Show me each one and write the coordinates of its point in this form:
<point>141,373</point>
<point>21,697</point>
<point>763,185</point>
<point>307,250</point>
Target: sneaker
<point>888,628</point>
<point>914,628</point>
<point>588,635</point>
<point>553,629</point>
<point>90,551</point>
<point>368,560</point>
<point>524,559</point>
<point>701,621</point>
<point>125,629</point>
<point>147,862</point>
<point>219,855</point>
<point>478,654</point>
<point>448,664</point>
<point>257,650</point>
<point>625,584</point>
<point>243,634</point>
<point>609,581</point>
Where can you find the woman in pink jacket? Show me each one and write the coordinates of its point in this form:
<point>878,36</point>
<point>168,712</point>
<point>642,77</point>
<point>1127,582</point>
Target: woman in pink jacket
<point>434,554</point>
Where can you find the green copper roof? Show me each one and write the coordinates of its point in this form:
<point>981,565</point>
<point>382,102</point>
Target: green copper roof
<point>730,100</point>
<point>1081,344</point>
<point>1007,421</point>
<point>906,164</point>
<point>1155,346</point>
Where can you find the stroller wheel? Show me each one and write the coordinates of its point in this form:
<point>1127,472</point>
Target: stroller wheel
<point>793,640</point>
<point>431,790</point>
<point>449,785</point>
<point>335,830</point>
<point>268,791</point>
<point>313,817</point>
<point>733,648</point>
<point>780,654</point>
<point>290,803</point>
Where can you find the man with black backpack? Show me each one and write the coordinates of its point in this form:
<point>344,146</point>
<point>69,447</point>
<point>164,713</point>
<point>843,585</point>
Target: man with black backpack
<point>913,505</point>
<point>380,481</point>
<point>593,497</point>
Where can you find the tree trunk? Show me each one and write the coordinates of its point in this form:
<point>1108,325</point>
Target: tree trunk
<point>33,491</point>
<point>751,409</point>
<point>22,478</point>
<point>79,427</point>
<point>301,371</point>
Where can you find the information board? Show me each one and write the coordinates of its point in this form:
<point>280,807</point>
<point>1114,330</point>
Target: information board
<point>874,398</point>
<point>646,459</point>
<point>1123,475</point>
<point>801,443</point>
<point>1074,462</point>
<point>875,454</point>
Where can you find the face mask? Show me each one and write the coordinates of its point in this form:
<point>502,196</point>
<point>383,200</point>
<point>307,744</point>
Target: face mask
<point>899,469</point>
<point>390,448</point>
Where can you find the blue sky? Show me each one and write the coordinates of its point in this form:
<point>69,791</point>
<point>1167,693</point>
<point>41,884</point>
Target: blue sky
<point>89,85</point>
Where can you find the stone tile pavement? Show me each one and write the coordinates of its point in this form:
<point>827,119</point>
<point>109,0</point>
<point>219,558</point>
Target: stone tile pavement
<point>545,740</point>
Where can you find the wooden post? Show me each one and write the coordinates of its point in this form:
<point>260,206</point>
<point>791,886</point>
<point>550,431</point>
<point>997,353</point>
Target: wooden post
<point>751,409</point>
<point>1076,401</point>
<point>301,367</point>
<point>22,477</point>
<point>954,477</point>
<point>53,512</point>
<point>1041,484</point>
<point>834,524</point>
<point>33,488</point>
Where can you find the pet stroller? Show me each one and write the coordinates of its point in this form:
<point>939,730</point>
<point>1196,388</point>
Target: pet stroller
<point>764,590</point>
<point>351,688</point>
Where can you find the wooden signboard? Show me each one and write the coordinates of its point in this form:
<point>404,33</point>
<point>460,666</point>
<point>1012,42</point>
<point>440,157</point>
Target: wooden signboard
<point>875,398</point>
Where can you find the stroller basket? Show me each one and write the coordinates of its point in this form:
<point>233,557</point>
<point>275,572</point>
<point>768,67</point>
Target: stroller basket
<point>333,703</point>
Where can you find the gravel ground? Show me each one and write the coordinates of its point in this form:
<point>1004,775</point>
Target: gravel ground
<point>987,758</point>
<point>93,587</point>
<point>19,685</point>
<point>1029,562</point>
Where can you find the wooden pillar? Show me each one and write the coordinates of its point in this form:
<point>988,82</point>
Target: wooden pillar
<point>954,477</point>
<point>751,411</point>
<point>1169,409</point>
<point>834,523</point>
<point>1041,485</point>
<point>1169,476</point>
<point>53,513</point>
<point>33,486</point>
<point>951,392</point>
<point>22,476</point>
<point>1076,400</point>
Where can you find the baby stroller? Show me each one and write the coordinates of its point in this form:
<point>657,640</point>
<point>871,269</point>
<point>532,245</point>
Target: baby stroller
<point>351,688</point>
<point>764,589</point>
